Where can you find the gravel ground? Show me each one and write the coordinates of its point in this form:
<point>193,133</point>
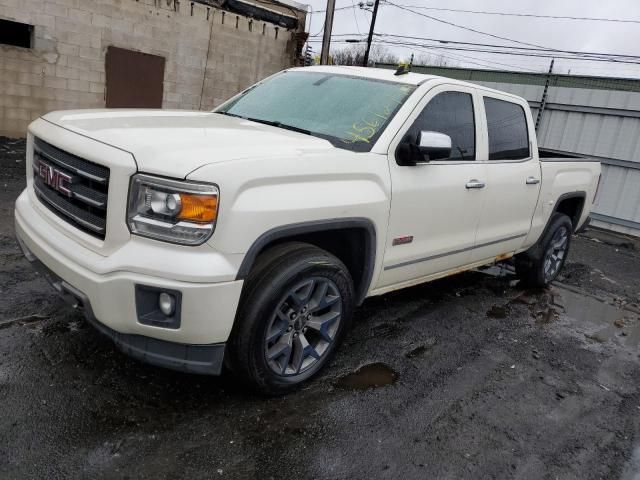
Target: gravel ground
<point>476,379</point>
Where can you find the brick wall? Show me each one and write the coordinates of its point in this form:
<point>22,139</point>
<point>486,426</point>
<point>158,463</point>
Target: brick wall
<point>210,54</point>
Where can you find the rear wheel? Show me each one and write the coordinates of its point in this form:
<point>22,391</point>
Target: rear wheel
<point>541,265</point>
<point>295,309</point>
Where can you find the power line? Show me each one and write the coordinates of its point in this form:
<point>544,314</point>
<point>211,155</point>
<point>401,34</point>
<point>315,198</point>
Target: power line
<point>473,60</point>
<point>530,15</point>
<point>355,17</point>
<point>530,49</point>
<point>553,52</point>
<point>536,46</point>
<point>463,27</point>
<point>514,53</point>
<point>337,8</point>
<point>467,58</point>
<point>596,56</point>
<point>482,62</point>
<point>491,45</point>
<point>352,6</point>
<point>493,62</point>
<point>490,34</point>
<point>575,81</point>
<point>319,32</point>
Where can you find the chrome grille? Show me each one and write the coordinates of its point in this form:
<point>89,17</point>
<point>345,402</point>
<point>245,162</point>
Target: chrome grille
<point>71,187</point>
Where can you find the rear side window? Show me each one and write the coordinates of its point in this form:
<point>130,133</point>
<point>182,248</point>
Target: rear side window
<point>508,134</point>
<point>450,113</point>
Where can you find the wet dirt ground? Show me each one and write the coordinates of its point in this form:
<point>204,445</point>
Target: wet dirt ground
<point>468,377</point>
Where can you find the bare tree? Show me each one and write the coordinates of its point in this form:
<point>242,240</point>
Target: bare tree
<point>434,60</point>
<point>354,55</point>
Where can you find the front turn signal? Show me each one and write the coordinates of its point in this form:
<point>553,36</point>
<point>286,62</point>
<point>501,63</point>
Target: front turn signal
<point>198,208</point>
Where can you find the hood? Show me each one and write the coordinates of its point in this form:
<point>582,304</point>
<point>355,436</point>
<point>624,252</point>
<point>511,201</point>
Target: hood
<point>176,142</point>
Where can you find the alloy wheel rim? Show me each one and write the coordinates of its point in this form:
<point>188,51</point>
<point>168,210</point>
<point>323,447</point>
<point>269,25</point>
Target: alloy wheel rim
<point>303,326</point>
<point>556,253</point>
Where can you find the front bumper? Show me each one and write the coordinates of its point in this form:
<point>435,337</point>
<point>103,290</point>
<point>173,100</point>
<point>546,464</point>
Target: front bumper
<point>202,359</point>
<point>106,288</point>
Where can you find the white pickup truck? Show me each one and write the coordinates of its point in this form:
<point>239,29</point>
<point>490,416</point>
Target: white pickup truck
<point>246,236</point>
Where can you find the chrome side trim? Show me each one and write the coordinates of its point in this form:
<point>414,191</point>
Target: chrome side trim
<point>453,252</point>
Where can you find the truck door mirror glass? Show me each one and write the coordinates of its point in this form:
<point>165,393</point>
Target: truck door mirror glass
<point>427,146</point>
<point>434,145</point>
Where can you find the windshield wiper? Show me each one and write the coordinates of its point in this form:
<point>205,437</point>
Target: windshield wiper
<point>273,123</point>
<point>230,114</point>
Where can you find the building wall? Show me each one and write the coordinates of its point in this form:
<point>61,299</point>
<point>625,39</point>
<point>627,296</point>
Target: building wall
<point>210,54</point>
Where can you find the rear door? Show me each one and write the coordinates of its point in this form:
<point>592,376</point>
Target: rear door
<point>513,176</point>
<point>434,212</point>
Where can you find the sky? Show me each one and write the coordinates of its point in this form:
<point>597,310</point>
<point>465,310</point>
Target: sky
<point>565,34</point>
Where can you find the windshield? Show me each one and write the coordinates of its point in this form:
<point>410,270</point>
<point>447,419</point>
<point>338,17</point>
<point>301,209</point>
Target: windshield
<point>350,112</point>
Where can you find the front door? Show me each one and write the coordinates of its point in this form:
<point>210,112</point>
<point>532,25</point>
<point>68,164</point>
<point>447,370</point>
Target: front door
<point>436,205</point>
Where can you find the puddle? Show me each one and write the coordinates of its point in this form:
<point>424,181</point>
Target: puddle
<point>498,311</point>
<point>610,322</point>
<point>369,376</point>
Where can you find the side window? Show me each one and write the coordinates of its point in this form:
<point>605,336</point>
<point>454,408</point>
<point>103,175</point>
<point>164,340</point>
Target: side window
<point>507,126</point>
<point>450,113</point>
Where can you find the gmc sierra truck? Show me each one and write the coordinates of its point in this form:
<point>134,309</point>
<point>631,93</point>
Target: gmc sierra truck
<point>246,236</point>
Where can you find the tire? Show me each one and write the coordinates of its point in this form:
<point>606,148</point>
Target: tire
<point>295,309</point>
<point>540,265</point>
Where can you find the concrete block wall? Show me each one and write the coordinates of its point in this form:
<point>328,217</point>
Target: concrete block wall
<point>210,54</point>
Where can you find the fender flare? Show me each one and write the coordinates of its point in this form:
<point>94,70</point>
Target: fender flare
<point>581,194</point>
<point>565,196</point>
<point>295,229</point>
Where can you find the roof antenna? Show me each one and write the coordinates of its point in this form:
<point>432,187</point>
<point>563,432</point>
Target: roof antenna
<point>404,68</point>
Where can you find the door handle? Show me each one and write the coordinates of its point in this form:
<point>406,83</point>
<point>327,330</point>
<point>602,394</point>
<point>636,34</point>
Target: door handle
<point>474,184</point>
<point>533,181</point>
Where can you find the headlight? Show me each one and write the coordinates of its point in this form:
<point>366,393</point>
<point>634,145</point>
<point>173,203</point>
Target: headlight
<point>172,211</point>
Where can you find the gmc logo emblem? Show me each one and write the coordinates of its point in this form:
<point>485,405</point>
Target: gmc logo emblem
<point>56,179</point>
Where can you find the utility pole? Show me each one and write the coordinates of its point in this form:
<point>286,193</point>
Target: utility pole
<point>543,100</point>
<point>365,62</point>
<point>326,37</point>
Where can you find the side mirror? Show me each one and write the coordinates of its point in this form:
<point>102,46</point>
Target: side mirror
<point>434,145</point>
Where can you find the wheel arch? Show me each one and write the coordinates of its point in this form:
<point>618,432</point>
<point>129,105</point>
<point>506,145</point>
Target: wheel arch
<point>571,204</point>
<point>577,201</point>
<point>352,240</point>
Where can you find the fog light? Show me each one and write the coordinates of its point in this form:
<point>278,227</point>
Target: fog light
<point>167,303</point>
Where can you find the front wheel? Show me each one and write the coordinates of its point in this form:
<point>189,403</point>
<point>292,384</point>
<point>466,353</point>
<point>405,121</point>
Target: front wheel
<point>542,264</point>
<point>295,309</point>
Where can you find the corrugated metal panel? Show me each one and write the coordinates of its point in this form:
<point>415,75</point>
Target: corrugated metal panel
<point>595,98</point>
<point>619,195</point>
<point>530,92</point>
